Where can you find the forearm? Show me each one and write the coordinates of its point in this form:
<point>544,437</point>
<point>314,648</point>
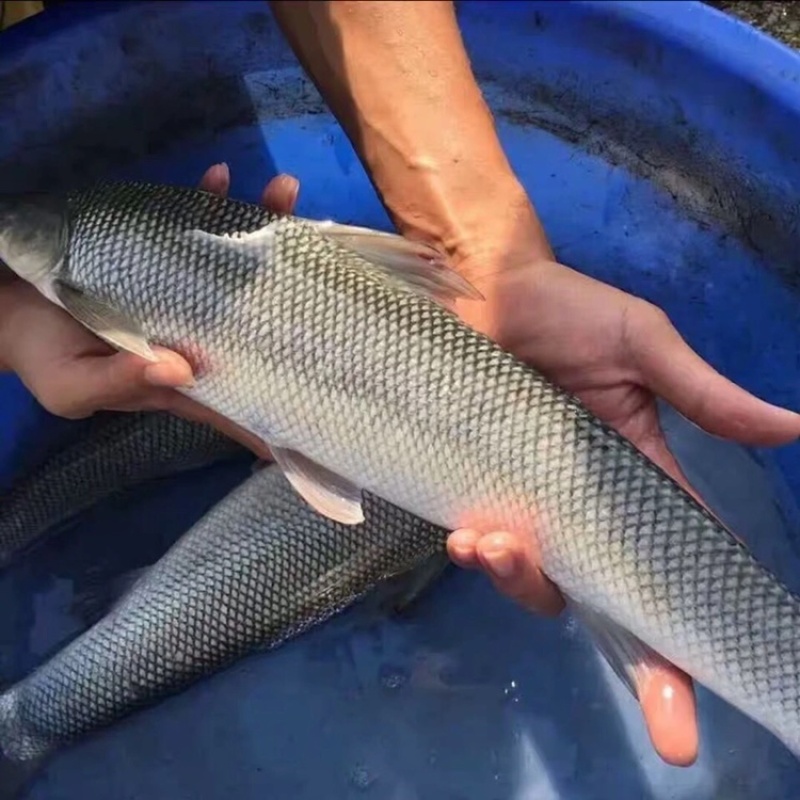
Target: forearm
<point>397,77</point>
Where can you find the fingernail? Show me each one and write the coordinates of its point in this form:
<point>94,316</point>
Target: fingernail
<point>290,185</point>
<point>221,172</point>
<point>463,538</point>
<point>500,563</point>
<point>162,373</point>
<point>462,553</point>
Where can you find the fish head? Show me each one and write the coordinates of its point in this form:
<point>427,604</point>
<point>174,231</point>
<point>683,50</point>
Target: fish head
<point>34,231</point>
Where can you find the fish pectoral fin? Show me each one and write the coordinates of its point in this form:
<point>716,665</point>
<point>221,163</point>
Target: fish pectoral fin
<point>627,655</point>
<point>326,492</point>
<point>104,321</point>
<point>418,266</point>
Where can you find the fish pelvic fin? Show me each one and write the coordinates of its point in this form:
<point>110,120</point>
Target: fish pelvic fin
<point>326,492</point>
<point>104,321</point>
<point>418,266</point>
<point>629,657</point>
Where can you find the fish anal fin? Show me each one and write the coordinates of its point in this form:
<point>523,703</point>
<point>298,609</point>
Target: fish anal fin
<point>326,492</point>
<point>627,655</point>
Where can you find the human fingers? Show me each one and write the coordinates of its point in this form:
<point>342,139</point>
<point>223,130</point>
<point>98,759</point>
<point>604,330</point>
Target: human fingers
<point>665,693</point>
<point>672,370</point>
<point>667,699</point>
<point>217,180</point>
<point>462,550</point>
<point>511,565</point>
<point>280,194</point>
<point>76,387</point>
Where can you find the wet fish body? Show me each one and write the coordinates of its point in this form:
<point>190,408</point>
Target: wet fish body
<point>116,452</point>
<point>332,344</point>
<point>259,568</point>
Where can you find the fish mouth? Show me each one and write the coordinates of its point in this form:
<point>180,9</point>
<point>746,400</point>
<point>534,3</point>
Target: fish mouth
<point>34,231</point>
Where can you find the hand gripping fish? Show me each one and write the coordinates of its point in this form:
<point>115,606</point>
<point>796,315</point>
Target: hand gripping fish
<point>338,347</point>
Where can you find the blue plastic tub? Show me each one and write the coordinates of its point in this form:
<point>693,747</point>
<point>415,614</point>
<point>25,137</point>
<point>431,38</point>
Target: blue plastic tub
<point>659,141</point>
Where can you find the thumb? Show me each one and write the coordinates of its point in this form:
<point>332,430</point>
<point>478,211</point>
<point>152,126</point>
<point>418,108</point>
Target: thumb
<point>120,381</point>
<point>672,370</point>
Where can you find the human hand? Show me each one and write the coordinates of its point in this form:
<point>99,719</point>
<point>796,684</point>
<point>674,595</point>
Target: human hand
<point>617,353</point>
<point>73,374</point>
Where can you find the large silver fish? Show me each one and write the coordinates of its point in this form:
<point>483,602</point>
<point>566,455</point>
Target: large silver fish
<point>260,567</point>
<point>334,345</point>
<point>115,452</point>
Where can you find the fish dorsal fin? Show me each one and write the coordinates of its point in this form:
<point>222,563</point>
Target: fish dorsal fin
<point>257,241</point>
<point>325,491</point>
<point>418,266</point>
<point>106,322</point>
<point>627,655</point>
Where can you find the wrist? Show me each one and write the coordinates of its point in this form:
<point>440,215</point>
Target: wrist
<point>482,220</point>
<point>399,80</point>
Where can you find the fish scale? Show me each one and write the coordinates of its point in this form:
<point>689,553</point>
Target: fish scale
<point>259,568</point>
<point>114,452</point>
<point>343,362</point>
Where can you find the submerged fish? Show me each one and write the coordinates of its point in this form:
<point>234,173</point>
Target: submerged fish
<point>337,347</point>
<point>117,451</point>
<point>261,566</point>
